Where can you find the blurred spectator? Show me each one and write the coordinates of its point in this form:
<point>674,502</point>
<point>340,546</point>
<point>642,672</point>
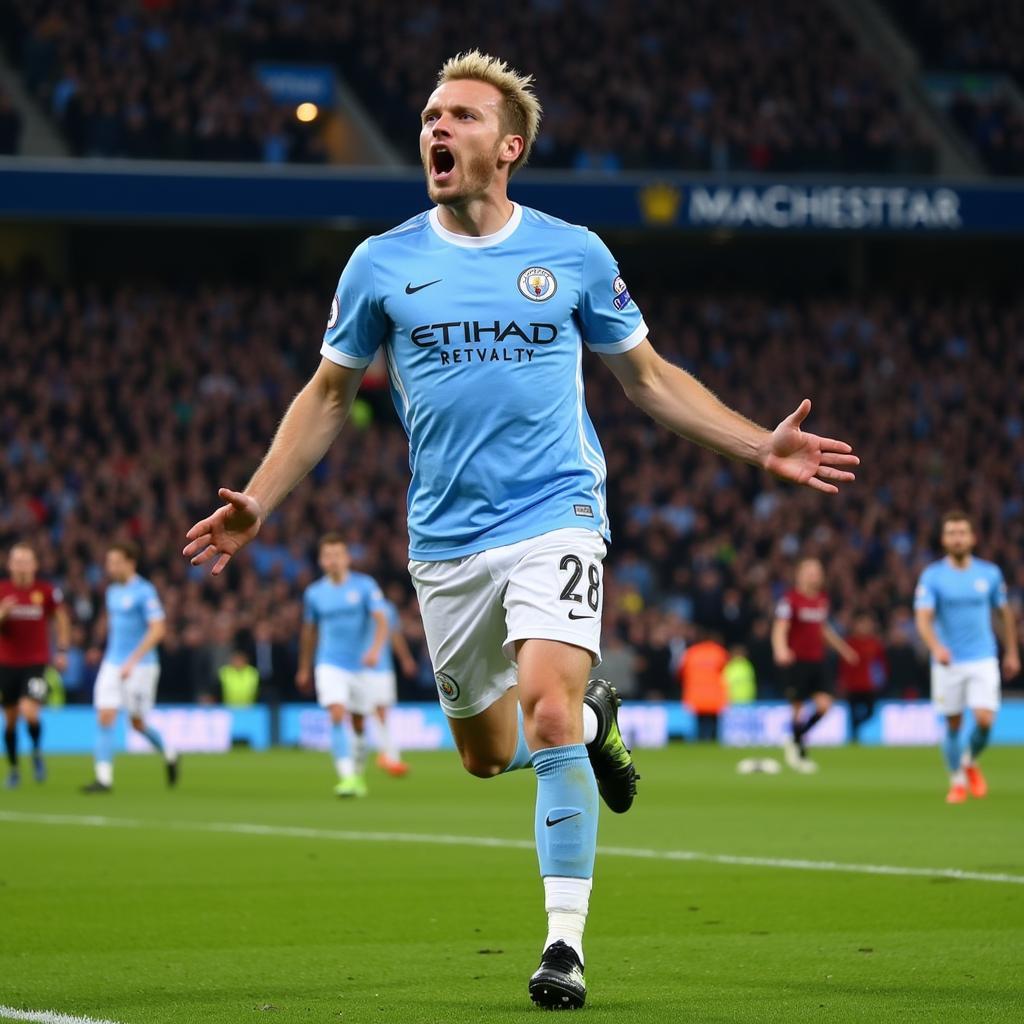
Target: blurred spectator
<point>724,84</point>
<point>740,679</point>
<point>239,681</point>
<point>863,682</point>
<point>703,683</point>
<point>618,663</point>
<point>10,126</point>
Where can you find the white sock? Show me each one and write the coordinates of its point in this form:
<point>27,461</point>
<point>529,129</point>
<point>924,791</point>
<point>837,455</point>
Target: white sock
<point>959,778</point>
<point>359,752</point>
<point>589,724</point>
<point>384,742</point>
<point>567,900</point>
<point>105,772</point>
<point>345,767</point>
<point>966,760</point>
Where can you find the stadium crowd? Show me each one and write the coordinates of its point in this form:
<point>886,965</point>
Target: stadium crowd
<point>975,36</point>
<point>711,85</point>
<point>123,411</point>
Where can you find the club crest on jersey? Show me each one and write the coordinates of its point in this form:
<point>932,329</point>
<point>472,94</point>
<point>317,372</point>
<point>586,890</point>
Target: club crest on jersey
<point>622,297</point>
<point>538,284</point>
<point>447,687</point>
<point>335,310</point>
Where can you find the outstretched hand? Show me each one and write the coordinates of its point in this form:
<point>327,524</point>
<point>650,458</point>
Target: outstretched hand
<point>818,462</point>
<point>225,532</point>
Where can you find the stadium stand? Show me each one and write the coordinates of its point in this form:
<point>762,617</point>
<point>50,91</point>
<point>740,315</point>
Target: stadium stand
<point>710,85</point>
<point>123,410</point>
<point>975,37</point>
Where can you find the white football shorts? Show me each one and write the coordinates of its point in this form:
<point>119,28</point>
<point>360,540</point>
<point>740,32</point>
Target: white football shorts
<point>384,688</point>
<point>476,608</point>
<point>136,694</point>
<point>966,684</point>
<point>353,690</point>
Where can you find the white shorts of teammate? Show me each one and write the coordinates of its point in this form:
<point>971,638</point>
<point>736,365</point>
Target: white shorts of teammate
<point>965,684</point>
<point>136,694</point>
<point>384,688</point>
<point>476,608</point>
<point>353,690</point>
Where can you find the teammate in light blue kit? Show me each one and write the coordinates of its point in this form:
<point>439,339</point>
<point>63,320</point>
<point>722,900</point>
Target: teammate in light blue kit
<point>130,670</point>
<point>385,690</point>
<point>953,605</point>
<point>339,610</point>
<point>482,308</point>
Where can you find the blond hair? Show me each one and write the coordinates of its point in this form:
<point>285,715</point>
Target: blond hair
<point>522,109</point>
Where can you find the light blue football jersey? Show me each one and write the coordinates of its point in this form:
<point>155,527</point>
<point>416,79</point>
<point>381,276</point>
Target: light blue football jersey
<point>131,607</point>
<point>343,615</point>
<point>483,342</point>
<point>962,600</point>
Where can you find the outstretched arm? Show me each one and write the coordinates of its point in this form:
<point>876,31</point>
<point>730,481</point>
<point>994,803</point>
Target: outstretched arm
<point>681,403</point>
<point>312,422</point>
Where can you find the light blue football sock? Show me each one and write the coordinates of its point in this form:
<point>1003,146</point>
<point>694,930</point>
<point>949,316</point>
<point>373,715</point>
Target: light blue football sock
<point>521,758</point>
<point>154,737</point>
<point>979,739</point>
<point>339,741</point>
<point>566,823</point>
<point>104,749</point>
<point>952,748</point>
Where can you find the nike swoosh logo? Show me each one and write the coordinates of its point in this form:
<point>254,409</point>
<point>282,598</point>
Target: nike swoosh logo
<point>574,617</point>
<point>549,821</point>
<point>410,290</point>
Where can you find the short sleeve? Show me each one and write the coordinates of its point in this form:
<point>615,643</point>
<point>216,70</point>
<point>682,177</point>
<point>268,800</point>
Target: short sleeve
<point>151,606</point>
<point>609,317</point>
<point>784,610</point>
<point>357,325</point>
<point>375,598</point>
<point>308,609</point>
<point>997,592</point>
<point>924,595</point>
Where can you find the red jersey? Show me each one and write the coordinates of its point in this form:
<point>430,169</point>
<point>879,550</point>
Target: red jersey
<point>870,673</point>
<point>25,629</point>
<point>806,617</point>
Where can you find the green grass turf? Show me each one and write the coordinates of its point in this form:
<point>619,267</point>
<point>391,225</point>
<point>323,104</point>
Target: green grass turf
<point>170,924</point>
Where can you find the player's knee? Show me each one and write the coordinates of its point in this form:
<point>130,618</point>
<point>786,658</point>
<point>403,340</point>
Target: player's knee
<point>482,766</point>
<point>549,722</point>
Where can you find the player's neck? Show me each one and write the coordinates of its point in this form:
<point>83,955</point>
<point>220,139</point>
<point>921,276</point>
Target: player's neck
<point>477,217</point>
<point>23,582</point>
<point>959,561</point>
<point>338,577</point>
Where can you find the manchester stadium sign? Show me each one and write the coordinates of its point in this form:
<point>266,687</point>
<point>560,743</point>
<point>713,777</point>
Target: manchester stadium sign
<point>370,198</point>
<point>833,207</point>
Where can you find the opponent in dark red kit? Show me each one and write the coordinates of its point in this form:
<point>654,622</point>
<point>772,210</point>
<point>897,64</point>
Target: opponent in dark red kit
<point>799,635</point>
<point>27,606</point>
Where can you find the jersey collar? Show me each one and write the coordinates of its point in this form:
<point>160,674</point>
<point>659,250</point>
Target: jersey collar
<point>476,241</point>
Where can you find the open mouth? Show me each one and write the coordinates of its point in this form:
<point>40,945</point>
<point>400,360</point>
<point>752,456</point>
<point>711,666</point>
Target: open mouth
<point>442,163</point>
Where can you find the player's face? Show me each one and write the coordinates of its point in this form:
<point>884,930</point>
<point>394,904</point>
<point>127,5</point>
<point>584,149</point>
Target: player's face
<point>810,577</point>
<point>463,141</point>
<point>957,538</point>
<point>21,564</point>
<point>334,559</point>
<point>119,567</point>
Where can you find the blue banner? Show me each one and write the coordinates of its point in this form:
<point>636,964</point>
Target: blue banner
<point>293,84</point>
<point>211,730</point>
<point>121,190</point>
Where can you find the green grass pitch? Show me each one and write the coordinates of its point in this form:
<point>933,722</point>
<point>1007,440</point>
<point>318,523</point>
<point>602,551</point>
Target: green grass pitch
<point>155,913</point>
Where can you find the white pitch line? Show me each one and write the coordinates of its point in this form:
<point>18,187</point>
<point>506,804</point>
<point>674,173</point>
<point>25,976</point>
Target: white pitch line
<point>435,839</point>
<point>48,1016</point>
